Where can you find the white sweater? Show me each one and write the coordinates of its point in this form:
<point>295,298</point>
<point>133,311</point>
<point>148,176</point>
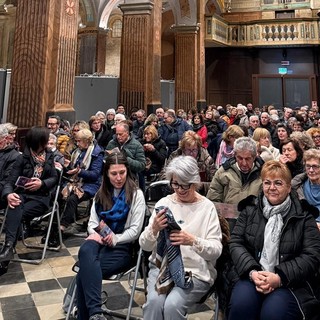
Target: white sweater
<point>133,224</point>
<point>201,220</point>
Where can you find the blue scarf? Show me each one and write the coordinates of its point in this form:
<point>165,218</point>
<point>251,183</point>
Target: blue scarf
<point>116,217</point>
<point>169,259</point>
<point>312,194</point>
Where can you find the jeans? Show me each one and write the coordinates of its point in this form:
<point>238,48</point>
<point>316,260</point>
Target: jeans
<point>98,262</point>
<point>175,304</point>
<point>247,303</point>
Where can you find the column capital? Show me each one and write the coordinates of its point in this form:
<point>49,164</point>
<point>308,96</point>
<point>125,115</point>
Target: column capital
<point>185,28</point>
<point>143,7</point>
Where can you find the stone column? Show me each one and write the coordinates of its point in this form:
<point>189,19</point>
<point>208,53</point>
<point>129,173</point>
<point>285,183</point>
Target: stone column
<point>91,51</point>
<point>186,66</point>
<point>44,61</point>
<point>140,67</point>
<point>201,70</point>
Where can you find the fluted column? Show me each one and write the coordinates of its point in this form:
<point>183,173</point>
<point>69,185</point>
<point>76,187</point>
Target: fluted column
<point>201,70</point>
<point>186,66</point>
<point>44,61</point>
<point>91,50</point>
<point>140,66</point>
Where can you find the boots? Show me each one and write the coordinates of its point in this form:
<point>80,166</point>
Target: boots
<point>7,252</point>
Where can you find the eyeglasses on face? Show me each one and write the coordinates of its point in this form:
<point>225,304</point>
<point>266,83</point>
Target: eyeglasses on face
<point>276,183</point>
<point>314,167</point>
<point>176,186</point>
<point>189,151</point>
<point>316,137</point>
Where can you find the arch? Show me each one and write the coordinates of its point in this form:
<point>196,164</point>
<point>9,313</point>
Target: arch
<point>106,12</point>
<point>89,12</point>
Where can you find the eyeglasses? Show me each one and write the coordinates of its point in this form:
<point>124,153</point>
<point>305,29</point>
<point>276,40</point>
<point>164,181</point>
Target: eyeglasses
<point>176,186</point>
<point>314,167</point>
<point>189,151</point>
<point>316,137</point>
<point>51,124</point>
<point>276,183</point>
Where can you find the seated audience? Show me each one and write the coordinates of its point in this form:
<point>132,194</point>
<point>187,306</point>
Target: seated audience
<point>315,135</point>
<point>53,124</point>
<point>155,151</point>
<point>30,197</point>
<point>8,155</point>
<point>84,170</point>
<point>226,146</point>
<point>291,156</point>
<point>118,207</point>
<point>124,140</point>
<point>190,145</point>
<point>275,248</point>
<point>185,224</point>
<point>57,155</point>
<point>265,149</point>
<point>200,129</point>
<point>100,132</point>
<point>307,184</point>
<point>12,133</point>
<point>238,177</point>
<point>304,140</point>
<point>282,132</point>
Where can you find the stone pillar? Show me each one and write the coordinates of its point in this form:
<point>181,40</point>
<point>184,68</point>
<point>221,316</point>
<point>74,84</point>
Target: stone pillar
<point>44,61</point>
<point>91,51</point>
<point>186,66</point>
<point>201,70</point>
<point>140,67</point>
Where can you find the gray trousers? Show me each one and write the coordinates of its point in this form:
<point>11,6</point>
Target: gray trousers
<point>172,306</point>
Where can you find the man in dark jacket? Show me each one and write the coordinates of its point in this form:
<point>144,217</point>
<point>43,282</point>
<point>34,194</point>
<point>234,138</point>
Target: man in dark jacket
<point>8,155</point>
<point>172,130</point>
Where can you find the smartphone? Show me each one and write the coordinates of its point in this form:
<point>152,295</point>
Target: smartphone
<point>104,231</point>
<point>21,181</point>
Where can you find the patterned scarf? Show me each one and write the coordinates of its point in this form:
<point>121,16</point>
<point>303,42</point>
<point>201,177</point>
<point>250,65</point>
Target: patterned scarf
<point>225,152</point>
<point>116,217</point>
<point>169,259</point>
<point>274,214</point>
<point>39,160</point>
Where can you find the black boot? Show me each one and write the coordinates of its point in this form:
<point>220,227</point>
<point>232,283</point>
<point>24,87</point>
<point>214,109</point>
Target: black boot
<point>7,252</point>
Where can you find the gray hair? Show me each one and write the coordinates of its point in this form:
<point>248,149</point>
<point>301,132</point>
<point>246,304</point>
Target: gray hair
<point>53,137</point>
<point>10,127</point>
<point>3,130</point>
<point>245,144</point>
<point>185,168</point>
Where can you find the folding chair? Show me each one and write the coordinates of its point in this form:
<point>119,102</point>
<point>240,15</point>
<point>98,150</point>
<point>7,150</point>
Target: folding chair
<point>54,211</point>
<point>134,269</point>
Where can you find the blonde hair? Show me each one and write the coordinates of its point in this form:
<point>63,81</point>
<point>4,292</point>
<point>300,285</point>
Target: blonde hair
<point>274,168</point>
<point>259,133</point>
<point>153,130</point>
<point>190,138</point>
<point>85,134</point>
<point>233,131</point>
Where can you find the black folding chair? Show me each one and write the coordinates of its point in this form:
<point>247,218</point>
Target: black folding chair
<point>50,214</point>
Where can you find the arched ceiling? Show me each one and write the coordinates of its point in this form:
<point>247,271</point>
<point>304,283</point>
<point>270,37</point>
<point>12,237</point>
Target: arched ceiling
<point>184,11</point>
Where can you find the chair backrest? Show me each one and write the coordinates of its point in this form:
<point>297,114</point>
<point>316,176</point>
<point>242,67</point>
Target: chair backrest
<point>157,190</point>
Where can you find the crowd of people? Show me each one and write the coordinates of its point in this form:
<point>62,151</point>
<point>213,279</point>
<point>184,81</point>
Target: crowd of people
<point>263,162</point>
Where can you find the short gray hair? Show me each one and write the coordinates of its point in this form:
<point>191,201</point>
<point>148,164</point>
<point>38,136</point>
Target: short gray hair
<point>10,127</point>
<point>53,137</point>
<point>245,144</point>
<point>185,168</point>
<point>3,130</point>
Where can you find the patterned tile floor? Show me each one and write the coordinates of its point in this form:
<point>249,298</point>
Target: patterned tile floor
<point>36,292</point>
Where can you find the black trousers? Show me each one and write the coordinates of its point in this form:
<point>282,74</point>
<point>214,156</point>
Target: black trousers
<point>71,208</point>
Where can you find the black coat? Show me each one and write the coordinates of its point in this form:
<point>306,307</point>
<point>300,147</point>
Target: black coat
<point>24,166</point>
<point>158,156</point>
<point>299,251</point>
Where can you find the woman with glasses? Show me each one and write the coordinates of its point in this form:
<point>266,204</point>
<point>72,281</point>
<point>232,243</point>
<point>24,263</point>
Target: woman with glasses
<point>315,135</point>
<point>191,145</point>
<point>186,225</point>
<point>274,248</point>
<point>307,184</point>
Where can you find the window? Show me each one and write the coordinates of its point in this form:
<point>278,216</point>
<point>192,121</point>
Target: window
<point>117,29</point>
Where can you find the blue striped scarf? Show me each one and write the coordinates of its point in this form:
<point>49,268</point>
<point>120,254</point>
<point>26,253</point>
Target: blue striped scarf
<point>169,259</point>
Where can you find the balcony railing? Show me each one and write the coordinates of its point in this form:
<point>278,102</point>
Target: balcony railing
<point>264,33</point>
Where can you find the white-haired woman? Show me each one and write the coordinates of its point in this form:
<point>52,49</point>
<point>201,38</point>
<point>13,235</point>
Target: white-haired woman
<point>185,224</point>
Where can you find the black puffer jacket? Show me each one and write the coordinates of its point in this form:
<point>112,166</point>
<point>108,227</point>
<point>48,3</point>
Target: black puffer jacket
<point>299,251</point>
<point>24,166</point>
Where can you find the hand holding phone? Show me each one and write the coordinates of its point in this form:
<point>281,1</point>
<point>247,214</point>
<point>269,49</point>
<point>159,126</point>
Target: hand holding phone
<point>22,181</point>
